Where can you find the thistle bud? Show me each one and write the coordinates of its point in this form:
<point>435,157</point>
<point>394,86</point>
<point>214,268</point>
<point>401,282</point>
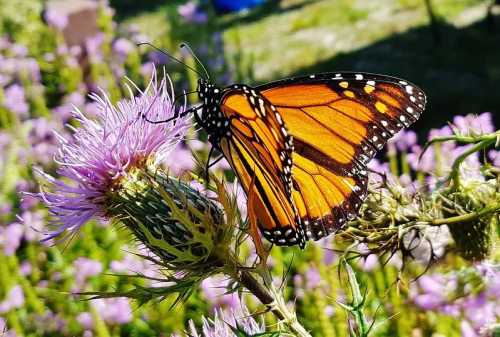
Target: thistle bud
<point>473,238</point>
<point>176,222</point>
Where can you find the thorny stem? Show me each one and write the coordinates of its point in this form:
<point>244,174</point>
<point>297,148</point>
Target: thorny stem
<point>354,230</point>
<point>480,142</point>
<point>357,303</point>
<point>454,175</point>
<point>273,299</point>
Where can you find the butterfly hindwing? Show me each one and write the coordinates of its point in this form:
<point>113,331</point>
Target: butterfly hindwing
<point>260,151</point>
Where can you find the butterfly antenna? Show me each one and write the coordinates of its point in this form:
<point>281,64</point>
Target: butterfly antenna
<point>171,57</point>
<point>185,45</point>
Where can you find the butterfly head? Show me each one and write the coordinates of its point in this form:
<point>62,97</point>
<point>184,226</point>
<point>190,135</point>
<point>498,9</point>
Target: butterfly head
<point>212,118</point>
<point>208,93</point>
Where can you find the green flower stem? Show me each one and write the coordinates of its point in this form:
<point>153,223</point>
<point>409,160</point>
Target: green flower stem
<point>454,175</point>
<point>463,218</point>
<point>100,327</point>
<point>339,324</point>
<point>32,299</point>
<point>6,283</point>
<point>481,142</point>
<point>405,166</point>
<point>372,232</point>
<point>273,299</point>
<point>393,163</point>
<point>319,298</point>
<point>356,307</point>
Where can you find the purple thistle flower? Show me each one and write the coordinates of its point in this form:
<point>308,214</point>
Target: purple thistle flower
<point>191,13</point>
<point>474,124</point>
<point>467,330</point>
<point>5,329</point>
<point>19,50</point>
<point>15,100</point>
<point>219,326</point>
<point>13,300</point>
<point>10,238</point>
<point>55,19</point>
<point>215,291</point>
<point>106,148</point>
<point>85,268</point>
<point>85,319</point>
<point>122,47</point>
<point>494,157</point>
<point>113,310</point>
<point>180,160</point>
<point>93,46</point>
<point>313,278</point>
<point>25,268</point>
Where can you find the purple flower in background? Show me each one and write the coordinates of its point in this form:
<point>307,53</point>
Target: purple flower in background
<point>467,330</point>
<point>404,140</point>
<point>15,100</point>
<point>215,289</point>
<point>13,300</point>
<point>451,294</point>
<point>122,47</point>
<point>55,19</point>
<point>425,163</point>
<point>113,310</point>
<point>369,263</point>
<point>191,13</point>
<point>25,268</point>
<point>85,268</point>
<point>34,224</point>
<point>5,330</point>
<point>19,50</point>
<point>93,46</point>
<point>474,124</point>
<point>313,278</point>
<point>156,57</point>
<point>220,325</point>
<point>10,238</point>
<point>65,111</point>
<point>180,160</point>
<point>85,319</point>
<point>494,157</point>
<point>104,149</point>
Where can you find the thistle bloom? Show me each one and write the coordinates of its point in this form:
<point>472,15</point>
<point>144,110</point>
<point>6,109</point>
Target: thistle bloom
<point>237,322</point>
<point>105,150</point>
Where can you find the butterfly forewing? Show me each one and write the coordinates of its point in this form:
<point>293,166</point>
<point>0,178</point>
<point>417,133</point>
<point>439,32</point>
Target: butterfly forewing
<point>338,122</point>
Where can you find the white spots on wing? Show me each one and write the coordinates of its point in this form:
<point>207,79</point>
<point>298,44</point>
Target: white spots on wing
<point>372,83</point>
<point>358,77</point>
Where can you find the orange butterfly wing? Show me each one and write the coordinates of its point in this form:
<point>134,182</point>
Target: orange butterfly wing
<point>338,122</point>
<point>259,150</point>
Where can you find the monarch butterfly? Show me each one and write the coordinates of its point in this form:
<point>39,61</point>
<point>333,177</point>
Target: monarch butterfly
<point>300,146</point>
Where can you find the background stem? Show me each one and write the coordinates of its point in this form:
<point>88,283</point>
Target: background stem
<point>273,299</point>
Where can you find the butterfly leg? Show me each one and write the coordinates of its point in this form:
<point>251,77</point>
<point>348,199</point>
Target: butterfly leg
<point>209,164</point>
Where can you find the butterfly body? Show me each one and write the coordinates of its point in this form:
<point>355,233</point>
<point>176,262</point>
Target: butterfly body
<point>300,146</point>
